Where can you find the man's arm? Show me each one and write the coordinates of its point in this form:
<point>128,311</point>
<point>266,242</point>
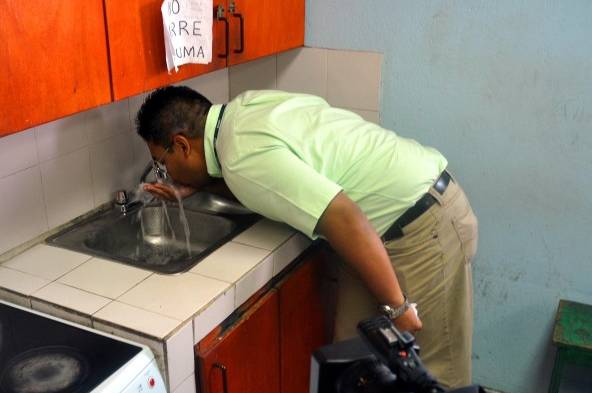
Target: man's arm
<point>350,234</point>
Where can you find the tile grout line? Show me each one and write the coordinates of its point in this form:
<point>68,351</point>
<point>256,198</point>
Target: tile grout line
<point>28,274</point>
<point>19,171</point>
<point>326,60</point>
<point>45,207</point>
<point>92,178</point>
<point>72,287</point>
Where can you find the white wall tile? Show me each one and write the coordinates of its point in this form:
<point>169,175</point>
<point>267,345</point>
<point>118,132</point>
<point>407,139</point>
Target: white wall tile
<point>20,282</point>
<point>135,103</point>
<point>22,210</point>
<point>72,298</point>
<point>212,316</point>
<point>111,162</point>
<point>179,355</point>
<point>187,386</point>
<point>143,321</point>
<point>141,157</point>
<point>46,261</point>
<point>230,262</point>
<point>104,278</point>
<point>372,116</point>
<point>214,85</point>
<point>255,75</point>
<point>107,120</point>
<point>254,280</point>
<point>303,70</point>
<point>61,136</point>
<point>176,296</point>
<point>59,312</point>
<point>15,298</point>
<point>67,186</point>
<point>18,152</point>
<point>353,79</point>
<point>266,234</point>
<point>288,251</point>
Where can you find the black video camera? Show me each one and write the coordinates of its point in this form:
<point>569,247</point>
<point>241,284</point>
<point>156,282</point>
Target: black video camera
<point>381,360</point>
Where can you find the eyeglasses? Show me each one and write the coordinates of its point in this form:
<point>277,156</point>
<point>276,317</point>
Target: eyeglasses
<point>160,170</point>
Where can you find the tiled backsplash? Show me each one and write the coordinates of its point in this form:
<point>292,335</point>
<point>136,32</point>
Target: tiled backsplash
<point>55,172</point>
<point>346,79</point>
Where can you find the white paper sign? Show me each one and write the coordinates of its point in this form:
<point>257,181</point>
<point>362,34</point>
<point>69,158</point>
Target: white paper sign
<point>187,32</point>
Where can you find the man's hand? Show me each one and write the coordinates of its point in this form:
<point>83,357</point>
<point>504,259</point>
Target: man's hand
<point>167,192</point>
<point>408,322</point>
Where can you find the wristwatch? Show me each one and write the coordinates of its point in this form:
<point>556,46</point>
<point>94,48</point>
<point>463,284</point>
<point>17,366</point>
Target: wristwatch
<point>394,312</point>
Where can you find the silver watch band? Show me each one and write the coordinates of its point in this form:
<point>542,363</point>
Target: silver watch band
<point>394,312</point>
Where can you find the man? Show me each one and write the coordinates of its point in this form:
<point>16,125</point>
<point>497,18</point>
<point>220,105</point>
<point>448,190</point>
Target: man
<point>385,203</point>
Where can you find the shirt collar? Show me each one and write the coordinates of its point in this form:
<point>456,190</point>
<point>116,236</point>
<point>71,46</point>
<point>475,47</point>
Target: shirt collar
<point>211,161</point>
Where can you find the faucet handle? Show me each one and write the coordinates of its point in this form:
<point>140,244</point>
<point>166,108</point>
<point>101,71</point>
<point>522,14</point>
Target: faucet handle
<point>121,197</point>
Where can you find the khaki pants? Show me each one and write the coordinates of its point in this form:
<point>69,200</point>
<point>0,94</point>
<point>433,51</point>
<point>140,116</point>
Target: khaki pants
<point>433,264</point>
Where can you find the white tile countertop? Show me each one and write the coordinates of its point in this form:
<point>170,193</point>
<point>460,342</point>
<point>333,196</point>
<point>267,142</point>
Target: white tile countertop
<point>169,313</point>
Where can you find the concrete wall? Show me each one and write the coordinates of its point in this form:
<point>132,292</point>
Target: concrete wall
<point>504,90</point>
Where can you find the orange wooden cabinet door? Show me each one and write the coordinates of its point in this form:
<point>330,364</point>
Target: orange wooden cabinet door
<point>54,60</point>
<point>246,358</point>
<point>136,47</point>
<point>302,322</point>
<point>268,26</point>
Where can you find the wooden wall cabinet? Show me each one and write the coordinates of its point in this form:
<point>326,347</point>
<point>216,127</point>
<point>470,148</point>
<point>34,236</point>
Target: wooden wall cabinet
<point>269,348</point>
<point>62,57</point>
<point>136,48</point>
<point>54,61</point>
<point>270,26</point>
<point>243,30</point>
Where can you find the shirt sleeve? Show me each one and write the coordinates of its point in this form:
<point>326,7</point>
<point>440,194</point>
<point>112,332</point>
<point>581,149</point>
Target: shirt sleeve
<point>277,184</point>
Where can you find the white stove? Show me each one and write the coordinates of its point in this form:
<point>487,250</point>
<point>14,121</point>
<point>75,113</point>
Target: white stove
<point>43,354</point>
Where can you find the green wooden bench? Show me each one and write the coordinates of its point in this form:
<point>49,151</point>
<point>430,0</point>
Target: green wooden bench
<point>572,336</point>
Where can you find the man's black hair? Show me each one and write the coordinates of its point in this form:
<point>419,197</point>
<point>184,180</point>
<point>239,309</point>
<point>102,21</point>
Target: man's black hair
<point>172,110</point>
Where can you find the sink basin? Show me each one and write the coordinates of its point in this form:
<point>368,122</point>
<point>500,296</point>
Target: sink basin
<point>211,203</point>
<point>151,237</point>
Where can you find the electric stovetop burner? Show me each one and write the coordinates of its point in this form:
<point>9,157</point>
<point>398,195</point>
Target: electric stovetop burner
<point>49,369</point>
<point>44,355</point>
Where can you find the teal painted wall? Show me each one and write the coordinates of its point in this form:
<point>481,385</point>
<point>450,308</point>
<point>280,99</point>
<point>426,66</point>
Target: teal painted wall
<point>504,90</point>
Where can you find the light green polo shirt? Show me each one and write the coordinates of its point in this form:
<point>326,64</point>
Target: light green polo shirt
<point>286,156</point>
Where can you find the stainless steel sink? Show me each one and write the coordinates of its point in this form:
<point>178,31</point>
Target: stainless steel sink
<point>150,238</point>
<point>212,203</point>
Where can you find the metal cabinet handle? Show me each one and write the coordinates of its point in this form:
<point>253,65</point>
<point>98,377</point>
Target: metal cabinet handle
<point>242,33</point>
<point>220,16</point>
<point>224,376</point>
<point>232,9</point>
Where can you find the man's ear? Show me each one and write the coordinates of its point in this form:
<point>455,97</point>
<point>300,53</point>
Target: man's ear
<point>182,143</point>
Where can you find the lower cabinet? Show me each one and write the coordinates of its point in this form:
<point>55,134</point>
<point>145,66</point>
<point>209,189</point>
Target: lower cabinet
<point>302,322</point>
<point>246,357</point>
<point>268,349</point>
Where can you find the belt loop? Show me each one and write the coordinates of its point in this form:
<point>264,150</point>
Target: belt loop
<point>437,196</point>
<point>452,177</point>
<point>433,192</point>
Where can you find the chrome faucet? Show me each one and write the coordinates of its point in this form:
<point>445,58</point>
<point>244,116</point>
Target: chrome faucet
<point>122,200</point>
<point>149,168</point>
<point>159,172</point>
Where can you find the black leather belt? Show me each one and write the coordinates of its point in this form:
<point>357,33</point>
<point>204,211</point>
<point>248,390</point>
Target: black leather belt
<point>421,206</point>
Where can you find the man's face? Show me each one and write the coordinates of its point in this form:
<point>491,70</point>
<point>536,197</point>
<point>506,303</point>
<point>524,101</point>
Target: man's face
<point>184,160</point>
